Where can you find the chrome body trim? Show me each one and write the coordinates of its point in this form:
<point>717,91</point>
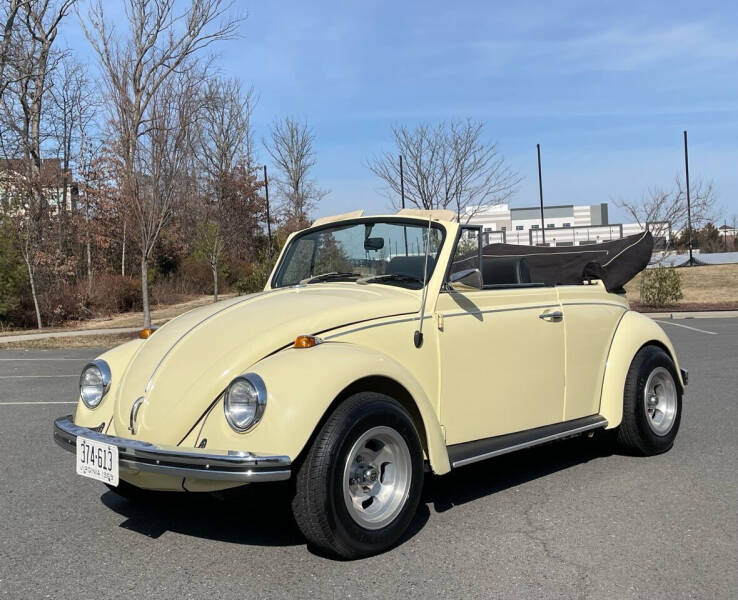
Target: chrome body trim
<point>136,456</point>
<point>577,427</point>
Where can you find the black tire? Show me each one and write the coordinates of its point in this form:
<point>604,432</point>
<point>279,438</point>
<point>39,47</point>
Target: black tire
<point>319,504</point>
<point>635,435</point>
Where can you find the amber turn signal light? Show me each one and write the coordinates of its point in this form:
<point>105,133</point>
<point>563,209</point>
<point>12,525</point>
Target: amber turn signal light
<point>307,341</point>
<point>146,333</point>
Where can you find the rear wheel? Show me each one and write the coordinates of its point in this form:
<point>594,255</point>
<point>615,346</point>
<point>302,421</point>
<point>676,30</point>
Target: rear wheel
<point>359,485</point>
<point>652,404</point>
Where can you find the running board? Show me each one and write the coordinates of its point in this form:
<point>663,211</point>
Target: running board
<point>471,452</point>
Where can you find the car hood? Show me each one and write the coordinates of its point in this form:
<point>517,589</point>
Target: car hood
<point>181,369</point>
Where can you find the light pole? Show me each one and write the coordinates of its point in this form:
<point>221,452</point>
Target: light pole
<point>540,193</point>
<point>402,196</point>
<point>689,207</point>
<point>402,183</point>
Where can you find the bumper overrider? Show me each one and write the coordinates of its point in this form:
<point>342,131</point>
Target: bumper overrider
<point>135,456</point>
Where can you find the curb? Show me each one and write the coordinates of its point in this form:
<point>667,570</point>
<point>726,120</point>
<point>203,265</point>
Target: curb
<point>708,314</point>
<point>61,334</point>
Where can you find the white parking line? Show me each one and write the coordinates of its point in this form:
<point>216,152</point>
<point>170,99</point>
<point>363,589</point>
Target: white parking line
<point>42,359</point>
<point>686,327</point>
<point>39,402</point>
<point>34,376</point>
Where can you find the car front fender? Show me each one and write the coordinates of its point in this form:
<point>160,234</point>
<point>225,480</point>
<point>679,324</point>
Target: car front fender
<point>633,332</point>
<point>119,359</point>
<point>302,384</point>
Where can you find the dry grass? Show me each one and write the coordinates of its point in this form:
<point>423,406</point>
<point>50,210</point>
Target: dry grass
<point>159,315</point>
<point>714,284</point>
<point>82,341</point>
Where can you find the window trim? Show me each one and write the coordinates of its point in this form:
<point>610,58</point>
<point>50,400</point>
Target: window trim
<point>445,286</point>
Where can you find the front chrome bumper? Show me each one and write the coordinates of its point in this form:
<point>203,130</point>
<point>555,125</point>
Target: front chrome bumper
<point>135,456</point>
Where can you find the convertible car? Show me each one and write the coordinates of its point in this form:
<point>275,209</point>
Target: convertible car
<point>381,347</point>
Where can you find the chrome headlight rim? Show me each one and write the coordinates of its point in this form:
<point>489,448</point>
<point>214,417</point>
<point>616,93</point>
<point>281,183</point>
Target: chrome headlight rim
<point>105,376</point>
<point>261,399</point>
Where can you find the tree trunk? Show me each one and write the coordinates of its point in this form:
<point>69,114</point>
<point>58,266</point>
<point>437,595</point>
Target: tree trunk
<point>123,253</point>
<point>87,243</point>
<point>145,292</point>
<point>89,267</point>
<point>33,293</point>
<point>215,283</point>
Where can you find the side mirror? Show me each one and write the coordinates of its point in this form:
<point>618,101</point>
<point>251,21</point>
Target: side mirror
<point>373,243</point>
<point>468,277</point>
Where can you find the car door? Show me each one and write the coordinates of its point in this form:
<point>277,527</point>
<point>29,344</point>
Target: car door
<point>502,357</point>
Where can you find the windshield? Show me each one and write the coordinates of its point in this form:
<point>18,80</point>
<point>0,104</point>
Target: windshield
<point>393,252</point>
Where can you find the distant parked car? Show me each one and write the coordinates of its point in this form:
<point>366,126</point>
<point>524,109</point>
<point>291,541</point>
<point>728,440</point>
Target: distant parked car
<point>380,346</point>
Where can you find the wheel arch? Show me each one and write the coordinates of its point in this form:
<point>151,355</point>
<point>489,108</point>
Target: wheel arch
<point>634,332</point>
<point>380,384</point>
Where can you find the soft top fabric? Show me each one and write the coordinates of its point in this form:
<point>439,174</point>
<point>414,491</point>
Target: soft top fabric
<point>615,262</point>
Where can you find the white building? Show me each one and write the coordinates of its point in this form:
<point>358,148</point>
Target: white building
<point>565,225</point>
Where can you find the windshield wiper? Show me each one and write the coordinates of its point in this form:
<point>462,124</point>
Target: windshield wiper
<point>391,277</point>
<point>327,276</point>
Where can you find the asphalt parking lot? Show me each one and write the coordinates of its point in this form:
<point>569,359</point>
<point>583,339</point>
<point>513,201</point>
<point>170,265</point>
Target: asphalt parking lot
<point>567,520</point>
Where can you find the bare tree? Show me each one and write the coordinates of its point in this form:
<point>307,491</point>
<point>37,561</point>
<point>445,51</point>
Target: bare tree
<point>28,60</point>
<point>291,150</point>
<point>9,12</point>
<point>225,139</point>
<point>446,166</point>
<point>160,43</point>
<point>72,112</point>
<point>665,211</point>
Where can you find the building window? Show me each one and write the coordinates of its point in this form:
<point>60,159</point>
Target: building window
<point>534,227</point>
<point>567,224</point>
<point>550,225</point>
<point>518,228</point>
<point>504,228</point>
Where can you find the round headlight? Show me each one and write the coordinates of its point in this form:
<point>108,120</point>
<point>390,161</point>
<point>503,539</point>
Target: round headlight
<point>245,401</point>
<point>94,383</point>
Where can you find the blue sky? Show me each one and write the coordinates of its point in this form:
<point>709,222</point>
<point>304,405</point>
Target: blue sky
<point>606,88</point>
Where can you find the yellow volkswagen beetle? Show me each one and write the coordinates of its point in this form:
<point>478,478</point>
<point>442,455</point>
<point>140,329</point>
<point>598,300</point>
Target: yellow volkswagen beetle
<point>380,346</point>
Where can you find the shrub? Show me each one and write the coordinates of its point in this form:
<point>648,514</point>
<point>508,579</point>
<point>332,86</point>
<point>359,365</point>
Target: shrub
<point>114,293</point>
<point>256,278</point>
<point>13,278</point>
<point>661,286</point>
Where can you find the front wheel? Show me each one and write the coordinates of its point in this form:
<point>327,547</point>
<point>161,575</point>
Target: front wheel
<point>652,404</point>
<point>359,485</point>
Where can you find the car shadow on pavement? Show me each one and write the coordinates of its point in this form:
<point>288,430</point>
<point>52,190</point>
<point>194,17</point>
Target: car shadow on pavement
<point>254,515</point>
<point>497,474</point>
<point>211,516</point>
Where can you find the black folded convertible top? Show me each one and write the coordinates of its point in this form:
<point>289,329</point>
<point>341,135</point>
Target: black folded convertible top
<point>615,262</point>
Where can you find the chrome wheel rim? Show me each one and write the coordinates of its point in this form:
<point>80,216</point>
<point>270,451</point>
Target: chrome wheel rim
<point>660,400</point>
<point>377,477</point>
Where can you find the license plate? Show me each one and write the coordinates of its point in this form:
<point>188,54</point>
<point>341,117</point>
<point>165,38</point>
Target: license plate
<point>97,460</point>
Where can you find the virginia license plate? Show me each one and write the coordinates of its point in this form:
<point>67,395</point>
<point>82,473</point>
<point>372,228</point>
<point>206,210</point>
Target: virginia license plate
<point>97,460</point>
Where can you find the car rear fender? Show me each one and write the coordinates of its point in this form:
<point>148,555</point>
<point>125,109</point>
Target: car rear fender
<point>302,386</point>
<point>633,332</point>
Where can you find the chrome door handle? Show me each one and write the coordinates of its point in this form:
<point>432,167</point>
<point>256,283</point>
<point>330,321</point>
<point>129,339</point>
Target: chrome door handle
<point>556,315</point>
